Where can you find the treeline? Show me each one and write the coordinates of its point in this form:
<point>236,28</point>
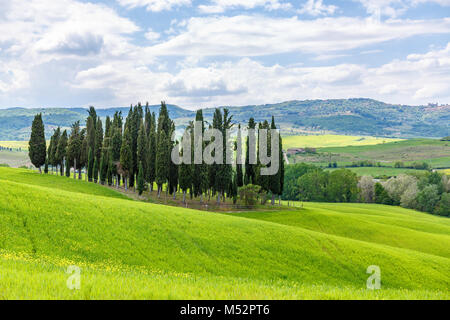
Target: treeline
<point>136,152</point>
<point>425,191</point>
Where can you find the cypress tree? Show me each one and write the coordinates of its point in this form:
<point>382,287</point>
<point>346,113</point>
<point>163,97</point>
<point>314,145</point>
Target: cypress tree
<point>142,152</point>
<point>227,169</point>
<point>61,151</point>
<point>249,168</point>
<point>104,168</point>
<point>74,147</point>
<point>67,168</point>
<point>281,171</point>
<point>98,139</point>
<point>173,168</point>
<point>239,174</point>
<point>162,165</point>
<point>110,172</point>
<point>90,164</point>
<point>185,176</point>
<point>96,169</point>
<point>126,160</point>
<point>37,145</point>
<point>83,154</point>
<point>200,176</point>
<point>151,150</point>
<point>275,180</point>
<point>46,165</point>
<point>140,179</point>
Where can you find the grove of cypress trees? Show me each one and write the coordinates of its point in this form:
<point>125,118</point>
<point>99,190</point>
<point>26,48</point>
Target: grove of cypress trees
<point>37,146</point>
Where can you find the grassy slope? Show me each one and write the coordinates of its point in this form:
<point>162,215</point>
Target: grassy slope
<point>153,251</point>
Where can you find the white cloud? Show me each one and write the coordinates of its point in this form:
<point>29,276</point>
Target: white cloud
<point>154,5</point>
<point>152,35</point>
<point>417,79</point>
<point>317,8</point>
<point>395,8</point>
<point>220,6</point>
<point>245,35</point>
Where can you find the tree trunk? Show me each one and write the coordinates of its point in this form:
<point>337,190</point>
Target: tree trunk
<point>184,196</point>
<point>74,168</point>
<point>40,171</point>
<point>279,199</point>
<point>79,174</point>
<point>159,191</point>
<point>174,193</point>
<point>218,198</point>
<point>273,199</point>
<point>126,184</point>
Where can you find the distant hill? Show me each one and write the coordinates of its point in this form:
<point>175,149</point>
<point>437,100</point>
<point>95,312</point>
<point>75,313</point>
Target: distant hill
<point>341,116</point>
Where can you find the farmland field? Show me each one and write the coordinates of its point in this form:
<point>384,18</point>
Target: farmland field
<point>380,171</point>
<point>329,140</point>
<point>131,249</point>
<point>432,151</point>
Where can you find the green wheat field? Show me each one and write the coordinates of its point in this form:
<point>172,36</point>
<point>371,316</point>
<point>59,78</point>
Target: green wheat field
<point>137,250</point>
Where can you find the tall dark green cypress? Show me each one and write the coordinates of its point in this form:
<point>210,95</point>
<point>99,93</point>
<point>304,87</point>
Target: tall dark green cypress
<point>200,176</point>
<point>249,177</point>
<point>74,147</point>
<point>61,151</point>
<point>151,149</point>
<point>90,165</point>
<point>142,152</point>
<point>140,179</point>
<point>173,168</point>
<point>98,138</point>
<point>239,173</point>
<point>96,169</point>
<point>185,176</point>
<point>227,169</point>
<point>275,180</point>
<point>37,145</point>
<point>67,169</point>
<point>126,159</point>
<point>162,159</point>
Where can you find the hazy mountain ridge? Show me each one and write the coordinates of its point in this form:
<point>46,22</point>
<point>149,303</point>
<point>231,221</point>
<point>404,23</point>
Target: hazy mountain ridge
<point>343,116</point>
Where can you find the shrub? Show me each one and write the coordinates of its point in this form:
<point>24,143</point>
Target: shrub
<point>381,195</point>
<point>428,198</point>
<point>249,194</point>
<point>444,205</point>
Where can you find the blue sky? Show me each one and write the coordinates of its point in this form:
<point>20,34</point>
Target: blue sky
<point>70,53</point>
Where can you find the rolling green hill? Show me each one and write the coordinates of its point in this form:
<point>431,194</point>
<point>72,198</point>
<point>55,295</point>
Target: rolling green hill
<point>365,117</point>
<point>130,249</point>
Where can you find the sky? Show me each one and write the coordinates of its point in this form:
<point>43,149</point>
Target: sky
<point>206,53</point>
